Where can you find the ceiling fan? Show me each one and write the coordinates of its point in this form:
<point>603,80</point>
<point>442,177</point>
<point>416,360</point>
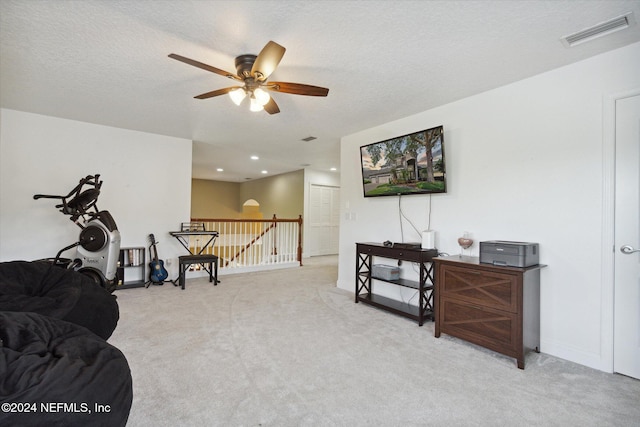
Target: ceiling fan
<point>253,72</point>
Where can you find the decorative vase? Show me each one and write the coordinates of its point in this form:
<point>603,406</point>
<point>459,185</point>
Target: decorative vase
<point>465,242</point>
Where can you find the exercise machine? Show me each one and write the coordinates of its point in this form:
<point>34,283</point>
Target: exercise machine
<point>98,246</point>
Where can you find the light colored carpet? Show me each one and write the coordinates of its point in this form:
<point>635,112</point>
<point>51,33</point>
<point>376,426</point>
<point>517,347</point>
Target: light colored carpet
<point>287,348</point>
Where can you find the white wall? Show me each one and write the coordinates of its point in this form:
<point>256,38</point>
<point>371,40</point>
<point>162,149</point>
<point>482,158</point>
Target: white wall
<point>147,180</point>
<point>524,162</point>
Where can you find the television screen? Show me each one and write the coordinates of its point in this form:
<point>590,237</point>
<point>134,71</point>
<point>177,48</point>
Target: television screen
<point>408,164</point>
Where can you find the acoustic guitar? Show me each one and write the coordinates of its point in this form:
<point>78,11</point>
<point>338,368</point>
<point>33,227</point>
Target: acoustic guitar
<point>157,273</point>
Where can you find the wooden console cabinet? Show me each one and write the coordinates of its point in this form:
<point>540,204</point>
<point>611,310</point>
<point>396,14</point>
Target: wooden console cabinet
<point>364,280</point>
<point>491,306</point>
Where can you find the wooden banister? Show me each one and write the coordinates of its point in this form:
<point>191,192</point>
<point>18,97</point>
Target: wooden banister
<point>272,225</point>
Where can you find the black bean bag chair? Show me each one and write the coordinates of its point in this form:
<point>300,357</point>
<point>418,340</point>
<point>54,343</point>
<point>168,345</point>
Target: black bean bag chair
<point>43,288</point>
<point>56,373</point>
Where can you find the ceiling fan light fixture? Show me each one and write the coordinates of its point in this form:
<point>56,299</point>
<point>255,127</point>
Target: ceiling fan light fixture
<point>261,96</point>
<point>237,95</point>
<point>255,105</point>
<point>253,72</point>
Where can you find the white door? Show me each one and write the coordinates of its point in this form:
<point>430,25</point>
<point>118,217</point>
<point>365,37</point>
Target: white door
<point>324,220</point>
<point>626,352</point>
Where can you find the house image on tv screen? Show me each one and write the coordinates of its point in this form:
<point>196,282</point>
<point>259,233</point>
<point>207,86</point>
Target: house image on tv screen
<point>409,164</point>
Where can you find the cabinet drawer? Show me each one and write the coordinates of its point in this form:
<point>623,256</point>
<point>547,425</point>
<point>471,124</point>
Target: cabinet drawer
<point>494,329</point>
<point>393,253</point>
<point>483,288</point>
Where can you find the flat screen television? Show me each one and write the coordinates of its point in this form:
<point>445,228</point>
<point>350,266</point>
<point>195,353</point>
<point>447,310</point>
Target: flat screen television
<point>407,164</point>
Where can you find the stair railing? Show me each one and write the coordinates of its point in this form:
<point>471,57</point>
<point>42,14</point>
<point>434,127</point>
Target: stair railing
<point>249,243</point>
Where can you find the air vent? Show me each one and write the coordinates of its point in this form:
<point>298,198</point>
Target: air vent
<point>309,138</point>
<point>600,30</point>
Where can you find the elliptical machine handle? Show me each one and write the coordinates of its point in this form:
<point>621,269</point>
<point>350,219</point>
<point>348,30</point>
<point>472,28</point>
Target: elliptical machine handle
<point>93,180</point>
<point>45,196</point>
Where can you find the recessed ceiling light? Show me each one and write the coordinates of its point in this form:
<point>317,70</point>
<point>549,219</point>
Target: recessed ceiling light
<point>220,170</point>
<point>333,169</point>
<point>254,157</point>
<point>265,172</point>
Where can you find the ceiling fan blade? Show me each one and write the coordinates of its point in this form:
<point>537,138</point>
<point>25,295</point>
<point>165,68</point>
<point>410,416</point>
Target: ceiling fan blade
<point>204,66</point>
<point>271,107</point>
<point>267,61</point>
<point>216,92</point>
<point>297,88</point>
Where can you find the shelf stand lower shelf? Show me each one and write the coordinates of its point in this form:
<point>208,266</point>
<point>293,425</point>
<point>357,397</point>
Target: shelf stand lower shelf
<point>365,292</point>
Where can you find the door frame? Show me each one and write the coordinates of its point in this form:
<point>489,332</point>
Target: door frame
<point>608,225</point>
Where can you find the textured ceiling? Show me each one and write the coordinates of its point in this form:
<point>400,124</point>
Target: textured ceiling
<point>105,62</point>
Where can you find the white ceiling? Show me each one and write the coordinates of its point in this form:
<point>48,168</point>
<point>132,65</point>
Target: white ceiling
<point>105,62</point>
